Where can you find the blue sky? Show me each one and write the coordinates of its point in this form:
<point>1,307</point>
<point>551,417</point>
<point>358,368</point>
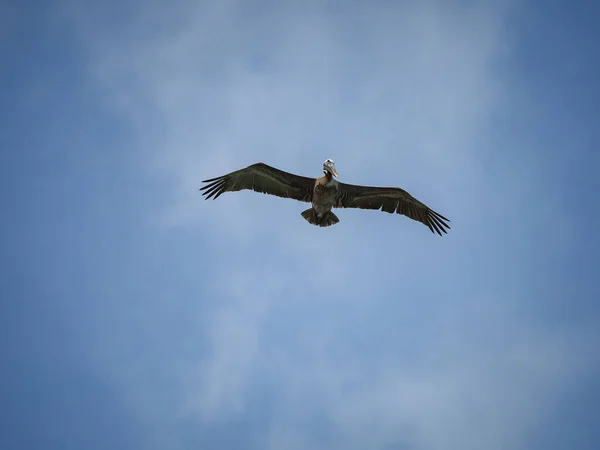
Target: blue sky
<point>136,315</point>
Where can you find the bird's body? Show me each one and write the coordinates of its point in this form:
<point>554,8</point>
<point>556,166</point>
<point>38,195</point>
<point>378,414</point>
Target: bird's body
<point>325,193</point>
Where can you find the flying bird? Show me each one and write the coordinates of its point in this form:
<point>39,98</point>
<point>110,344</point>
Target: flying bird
<point>325,193</point>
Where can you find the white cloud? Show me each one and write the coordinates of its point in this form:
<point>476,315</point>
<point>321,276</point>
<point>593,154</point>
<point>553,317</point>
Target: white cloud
<point>392,91</point>
<point>483,376</point>
<point>396,94</point>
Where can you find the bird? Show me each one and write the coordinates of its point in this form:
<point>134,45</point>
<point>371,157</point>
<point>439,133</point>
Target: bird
<point>324,193</point>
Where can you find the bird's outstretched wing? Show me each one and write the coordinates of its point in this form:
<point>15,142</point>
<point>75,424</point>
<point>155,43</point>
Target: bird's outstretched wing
<point>263,178</point>
<point>390,200</point>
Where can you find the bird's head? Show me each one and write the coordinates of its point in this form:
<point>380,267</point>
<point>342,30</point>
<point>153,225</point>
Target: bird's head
<point>329,167</point>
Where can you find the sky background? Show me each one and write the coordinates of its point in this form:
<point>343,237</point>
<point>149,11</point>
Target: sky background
<point>134,314</point>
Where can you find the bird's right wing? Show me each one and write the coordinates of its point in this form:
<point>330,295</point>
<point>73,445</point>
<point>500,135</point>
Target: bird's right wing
<point>390,200</point>
<point>263,178</point>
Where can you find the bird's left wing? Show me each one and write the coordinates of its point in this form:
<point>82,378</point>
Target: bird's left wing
<point>390,200</point>
<point>263,178</point>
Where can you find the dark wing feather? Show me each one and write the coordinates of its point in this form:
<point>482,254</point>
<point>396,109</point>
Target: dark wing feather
<point>263,178</point>
<point>390,200</point>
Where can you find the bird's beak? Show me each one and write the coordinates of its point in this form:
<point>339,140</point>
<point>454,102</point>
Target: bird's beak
<point>335,174</point>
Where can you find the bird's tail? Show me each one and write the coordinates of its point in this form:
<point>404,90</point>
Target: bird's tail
<point>328,218</point>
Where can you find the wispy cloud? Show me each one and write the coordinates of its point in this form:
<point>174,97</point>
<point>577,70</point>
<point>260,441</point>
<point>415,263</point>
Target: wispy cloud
<point>380,89</point>
<point>374,330</point>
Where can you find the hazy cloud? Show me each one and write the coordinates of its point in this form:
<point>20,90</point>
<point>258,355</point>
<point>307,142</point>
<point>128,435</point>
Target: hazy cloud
<point>371,334</point>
